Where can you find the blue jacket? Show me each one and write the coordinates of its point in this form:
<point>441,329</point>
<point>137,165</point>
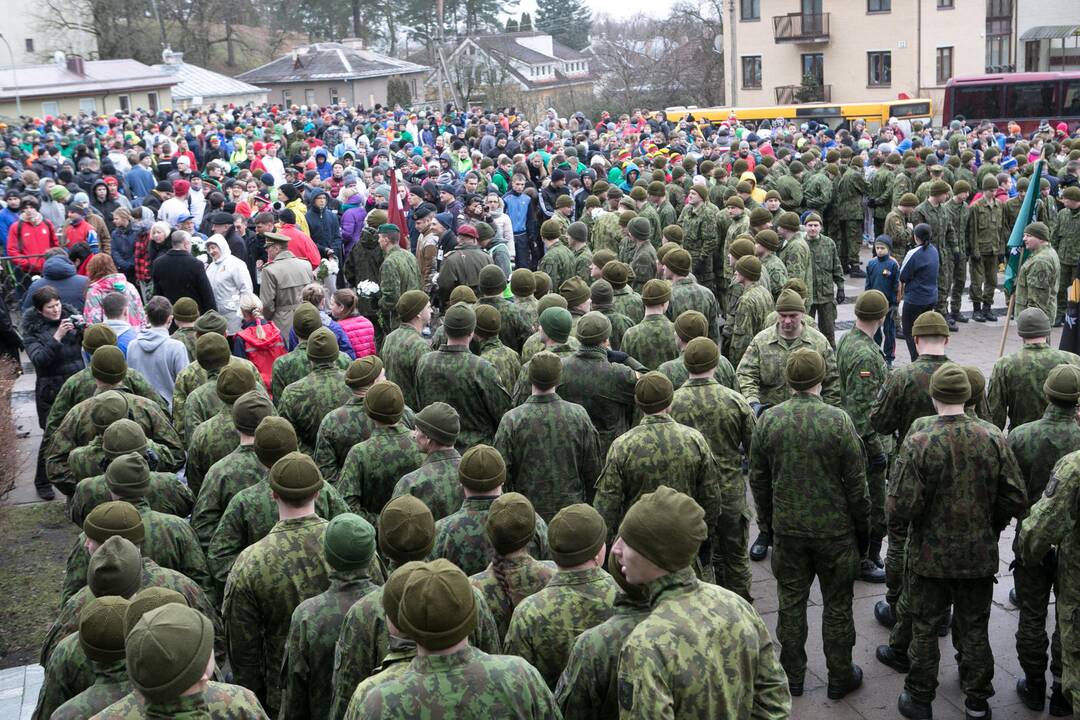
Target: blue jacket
<point>59,272</point>
<point>517,208</point>
<point>920,275</point>
<point>7,219</point>
<point>884,275</point>
<point>324,226</point>
<point>140,182</point>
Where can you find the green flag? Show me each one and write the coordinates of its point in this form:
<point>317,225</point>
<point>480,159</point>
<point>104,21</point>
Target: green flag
<point>1017,252</point>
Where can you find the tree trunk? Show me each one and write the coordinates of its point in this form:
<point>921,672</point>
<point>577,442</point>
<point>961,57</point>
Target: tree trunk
<point>230,48</point>
<point>356,18</point>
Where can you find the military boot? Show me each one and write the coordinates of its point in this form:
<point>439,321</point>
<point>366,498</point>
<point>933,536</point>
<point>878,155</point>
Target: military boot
<point>885,613</point>
<point>856,271</point>
<point>870,572</point>
<point>840,688</point>
<point>1032,692</point>
<point>914,709</point>
<point>874,553</point>
<point>988,313</point>
<point>977,313</point>
<point>897,660</point>
<point>1059,704</point>
<point>976,709</point>
<point>760,547</point>
<point>960,317</point>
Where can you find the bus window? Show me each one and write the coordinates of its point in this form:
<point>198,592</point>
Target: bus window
<point>978,102</point>
<point>1031,100</point>
<point>916,109</point>
<point>1070,105</point>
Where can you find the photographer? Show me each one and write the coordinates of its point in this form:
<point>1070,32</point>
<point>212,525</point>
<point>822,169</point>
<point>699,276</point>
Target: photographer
<point>52,333</point>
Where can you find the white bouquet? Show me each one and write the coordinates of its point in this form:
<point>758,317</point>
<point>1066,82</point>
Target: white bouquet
<point>368,289</point>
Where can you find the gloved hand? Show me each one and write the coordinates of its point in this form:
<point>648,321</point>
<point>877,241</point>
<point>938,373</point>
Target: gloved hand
<point>877,462</point>
<point>616,357</point>
<point>840,296</point>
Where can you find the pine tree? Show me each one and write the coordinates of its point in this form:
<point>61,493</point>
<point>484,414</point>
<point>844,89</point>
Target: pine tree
<point>511,25</point>
<point>526,24</point>
<point>397,92</point>
<point>809,91</point>
<point>568,21</point>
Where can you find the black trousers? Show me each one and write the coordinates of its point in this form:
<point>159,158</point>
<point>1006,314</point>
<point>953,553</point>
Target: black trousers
<point>907,318</point>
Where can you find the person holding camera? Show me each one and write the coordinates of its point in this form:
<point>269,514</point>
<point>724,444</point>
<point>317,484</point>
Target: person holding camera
<point>52,333</point>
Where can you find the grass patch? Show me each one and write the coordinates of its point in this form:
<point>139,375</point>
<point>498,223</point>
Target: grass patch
<point>34,544</point>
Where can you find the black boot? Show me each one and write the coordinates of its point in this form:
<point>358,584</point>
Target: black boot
<point>760,547</point>
<point>946,623</point>
<point>898,661</point>
<point>1059,704</point>
<point>840,688</point>
<point>988,313</point>
<point>1012,597</point>
<point>884,613</point>
<point>914,709</point>
<point>870,572</point>
<point>950,320</point>
<point>959,317</point>
<point>977,313</point>
<point>874,553</point>
<point>856,271</point>
<point>1032,692</point>
<point>977,709</point>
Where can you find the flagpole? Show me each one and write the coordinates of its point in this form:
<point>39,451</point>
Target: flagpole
<point>1005,328</point>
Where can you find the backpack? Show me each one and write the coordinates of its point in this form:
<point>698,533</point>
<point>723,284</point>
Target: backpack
<point>263,351</point>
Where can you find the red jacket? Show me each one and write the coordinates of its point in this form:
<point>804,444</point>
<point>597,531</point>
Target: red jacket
<point>260,351</point>
<point>301,245</point>
<point>361,334</point>
<point>28,239</point>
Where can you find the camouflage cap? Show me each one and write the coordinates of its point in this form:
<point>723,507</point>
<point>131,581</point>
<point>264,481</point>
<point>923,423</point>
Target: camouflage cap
<point>601,293</point>
<point>1062,385</point>
<point>116,567</point>
<point>185,310</point>
<point>578,232</point>
<point>107,408</point>
<point>665,526</point>
<point>274,439</point>
<point>393,589</point>
<point>233,381</point>
<point>594,328</point>
<point>511,523</point>
<point>101,629</point>
<point>871,305</point>
<point>406,529</point>
<point>789,221</point>
<point>656,292</point>
<point>805,368</point>
<point>545,370</point>
<point>678,261</point>
<point>701,355</point>
<point>542,283</point>
<point>295,476</point>
<point>438,606</point>
<point>462,294</point>
<point>211,321</point>
<point>768,239</point>
<point>482,468</point>
<point>212,352</point>
<point>576,534</point>
<point>123,436</point>
<point>749,267</point>
<point>97,335</point>
<point>556,322</point>
<point>459,321</point>
<point>349,542</point>
<point>488,321</point>
<point>550,229</point>
<point>950,384</point>
<point>250,408</point>
<point>522,283</point>
<point>149,599</point>
<point>322,346</point>
<point>492,280</point>
<point>108,364</point>
<point>930,324</point>
<point>653,393</point>
<point>363,372</point>
<point>168,651</point>
<point>691,324</point>
<point>128,476</point>
<point>760,216</point>
<point>1032,323</point>
<point>409,305</point>
<point>789,301</point>
<point>306,320</point>
<point>741,247</point>
<point>440,422</point>
<point>384,403</point>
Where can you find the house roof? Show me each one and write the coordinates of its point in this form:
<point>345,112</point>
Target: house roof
<point>195,82</point>
<point>507,44</point>
<point>329,61</point>
<point>99,76</point>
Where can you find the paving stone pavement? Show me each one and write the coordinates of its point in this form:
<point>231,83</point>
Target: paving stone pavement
<point>19,690</point>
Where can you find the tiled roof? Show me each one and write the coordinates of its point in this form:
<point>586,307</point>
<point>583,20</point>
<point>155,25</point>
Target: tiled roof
<point>54,80</point>
<point>329,61</point>
<point>195,81</point>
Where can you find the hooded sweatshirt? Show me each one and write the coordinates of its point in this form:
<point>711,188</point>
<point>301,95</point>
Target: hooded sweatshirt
<point>229,278</point>
<point>159,358</point>
<point>59,273</point>
<point>125,334</point>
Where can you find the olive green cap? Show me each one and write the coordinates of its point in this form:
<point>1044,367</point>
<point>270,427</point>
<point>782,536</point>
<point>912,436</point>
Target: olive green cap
<point>594,328</point>
<point>939,187</point>
<point>961,186</point>
<point>600,293</point>
<point>97,335</point>
<point>1062,385</point>
<point>510,523</point>
<point>393,589</point>
<point>522,283</point>
<point>440,422</point>
<point>484,231</point>
<point>168,651</point>
<point>128,476</point>
<point>617,273</point>
<point>306,320</point>
<point>768,239</point>
<point>116,567</point>
<point>625,217</point>
<point>123,436</point>
<point>274,439</point>
<point>482,468</point>
<point>798,286</point>
<point>789,301</point>
<point>575,291</point>
<point>349,542</point>
<point>363,372</point>
<point>107,408</point>
<point>701,355</point>
<point>409,305</point>
<point>406,529</point>
<point>741,247</point>
<point>673,233</point>
<point>212,352</point>
<point>638,594</point>
<point>376,217</point>
<point>653,393</point>
<point>438,606</point>
<point>576,534</point>
<point>459,321</point>
<point>114,518</point>
<point>211,321</point>
<point>545,370</point>
<point>930,323</point>
<point>578,232</point>
<point>1032,323</point>
<point>760,216</point>
<point>549,301</point>
<point>108,364</point>
<point>492,280</point>
<point>232,382</point>
<point>977,381</point>
<point>250,408</point>
<point>908,200</point>
<point>871,305</point>
<point>149,599</point>
<point>639,228</point>
<point>185,310</point>
<point>384,402</point>
<point>950,384</point>
<point>788,220</point>
<point>639,193</point>
<point>1035,229</point>
<point>1071,193</point>
<point>295,476</point>
<point>488,321</point>
<point>749,267</point>
<point>556,322</point>
<point>691,324</point>
<point>656,189</point>
<point>656,292</point>
<point>678,261</point>
<point>101,629</point>
<point>735,201</point>
<point>667,527</point>
<point>322,346</point>
<point>542,283</point>
<point>550,229</point>
<point>805,368</point>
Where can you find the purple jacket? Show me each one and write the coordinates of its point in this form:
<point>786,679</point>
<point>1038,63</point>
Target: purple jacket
<point>352,224</point>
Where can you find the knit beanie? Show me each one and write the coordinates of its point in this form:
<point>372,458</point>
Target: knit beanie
<point>295,477</point>
<point>510,523</point>
<point>168,651</point>
<point>406,529</point>
<point>576,534</point>
<point>349,542</point>
<point>666,526</point>
<point>108,364</point>
<point>440,422</point>
<point>438,606</point>
<point>274,439</point>
<point>805,368</point>
<point>101,629</point>
<point>653,393</point>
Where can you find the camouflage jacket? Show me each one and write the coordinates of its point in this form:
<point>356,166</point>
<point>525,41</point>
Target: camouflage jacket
<point>202,404</point>
<point>435,482</point>
<point>558,262</point>
<point>194,376</point>
<point>1054,520</point>
<point>551,451</point>
<point>799,489</point>
<point>761,370</point>
<point>703,652</point>
<point>701,238</point>
<point>1016,394</point>
<point>776,270</point>
<point>659,451</point>
<point>827,271</point>
<point>221,701</point>
<point>749,319</point>
<point>401,352</point>
<point>461,266</point>
<point>643,262</point>
<point>629,303</point>
<point>307,669</point>
<point>295,365</point>
<point>860,366</point>
<point>544,625</point>
<point>797,259</point>
<point>507,581</point>
<point>398,274</point>
<point>687,294</point>
<point>942,234</point>
<point>958,484</point>
<point>1065,237</point>
<point>1037,282</point>
<point>82,386</point>
<point>343,428</point>
<point>167,495</point>
<point>986,226</point>
<point>211,441</point>
<point>516,325</point>
<point>239,469</point>
<point>605,389</point>
<point>905,397</point>
<point>469,684</point>
<point>461,538</point>
<point>67,674</point>
<point>880,191</point>
<point>648,211</point>
<point>959,216</point>
<point>470,385</point>
<point>852,191</point>
<point>506,362</point>
<point>90,460</point>
<point>267,583</point>
<point>606,234</point>
<point>676,372</point>
<point>373,467</point>
<point>311,398</point>
<point>188,336</point>
<point>535,344</point>
<point>396,662</point>
<point>818,192</point>
<point>582,261</point>
<point>110,685</point>
<point>1038,445</point>
<point>651,342</point>
<point>619,324</point>
<point>903,237</point>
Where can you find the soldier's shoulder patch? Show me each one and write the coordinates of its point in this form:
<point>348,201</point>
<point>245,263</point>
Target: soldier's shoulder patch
<point>1052,486</point>
<point>626,694</point>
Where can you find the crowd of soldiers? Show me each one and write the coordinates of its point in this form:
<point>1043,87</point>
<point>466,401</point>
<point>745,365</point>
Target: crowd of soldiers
<point>534,502</point>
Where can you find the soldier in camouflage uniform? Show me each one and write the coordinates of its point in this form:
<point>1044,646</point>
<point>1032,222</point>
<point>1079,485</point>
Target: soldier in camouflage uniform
<point>795,252</point>
<point>880,190</point>
<point>307,401</point>
<point>522,287</point>
<point>403,348</point>
<point>366,256</point>
<point>515,326</point>
<point>438,610</point>
<point>101,636</point>
<point>468,383</point>
<point>652,341</point>
<point>860,366</point>
<point>689,325</point>
<point>513,574</point>
<point>642,255</point>
<point>700,220</point>
<point>185,313</point>
<point>1017,379</point>
<point>819,528</point>
<point>606,231</point>
<point>558,260</point>
<point>986,227</point>
<point>727,423</point>
<point>578,237</point>
<point>738,225</point>
<point>959,215</point>
<point>697,650</point>
<point>579,596</point>
<point>849,203</point>
<point>1065,238</point>
<point>602,297</point>
<point>554,335</point>
<point>218,436</point>
<point>1038,446</point>
<point>827,272</point>
<point>934,212</point>
<point>505,360</point>
<point>435,482</point>
<point>900,226</point>
<point>1037,281</point>
<point>307,666</point>
<point>295,365</point>
<point>398,274</point>
<point>687,293</point>
<point>549,445</point>
<point>958,485</point>
<point>766,244</point>
<point>212,354</point>
<point>238,470</point>
<point>625,300</point>
<point>753,306</point>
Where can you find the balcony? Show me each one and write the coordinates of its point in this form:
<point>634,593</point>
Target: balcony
<point>801,28</point>
<point>797,94</point>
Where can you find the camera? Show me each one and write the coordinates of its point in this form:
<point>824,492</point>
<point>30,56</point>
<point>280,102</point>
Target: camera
<point>78,322</point>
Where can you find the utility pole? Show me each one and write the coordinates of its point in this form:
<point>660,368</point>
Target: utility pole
<point>443,77</point>
<point>14,75</point>
<point>734,53</point>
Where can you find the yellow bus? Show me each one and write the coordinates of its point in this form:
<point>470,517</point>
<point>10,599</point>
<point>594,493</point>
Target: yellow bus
<point>875,114</point>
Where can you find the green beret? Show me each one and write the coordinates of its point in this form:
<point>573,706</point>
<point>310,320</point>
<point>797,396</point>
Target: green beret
<point>545,370</point>
<point>274,439</point>
<point>701,355</point>
<point>322,346</point>
<point>550,300</point>
<point>363,372</point>
<point>511,523</point>
<point>211,321</point>
<point>388,229</point>
<point>789,301</point>
<point>393,589</point>
<point>594,328</point>
<point>950,384</point>
<point>1062,385</point>
<point>768,239</point>
<point>492,280</point>
<point>930,323</point>
<point>96,336</point>
<point>578,232</point>
<point>306,320</point>
<point>575,291</point>
<point>602,294</point>
<point>250,408</point>
<point>871,305</point>
<point>128,476</point>
<point>149,599</point>
<point>440,422</point>
<point>409,305</point>
<point>556,323</point>
<point>550,229</point>
<point>939,187</point>
<point>212,352</point>
<point>484,232</point>
<point>482,468</point>
<point>101,629</point>
<point>232,382</point>
<point>114,518</point>
<point>107,408</point>
<point>656,292</point>
<point>522,283</point>
<point>1035,229</point>
<point>749,267</point>
<point>673,233</point>
<point>789,221</point>
<point>667,527</point>
<point>653,393</point>
<point>678,261</point>
<point>805,368</point>
<point>691,324</point>
<point>488,321</point>
<point>462,294</point>
<point>760,216</point>
<point>576,534</point>
<point>349,542</point>
<point>1032,323</point>
<point>639,228</point>
<point>121,437</point>
<point>438,606</point>
<point>384,403</point>
<point>168,651</point>
<point>116,567</point>
<point>185,310</point>
<point>741,247</point>
<point>406,529</point>
<point>617,273</point>
<point>295,476</point>
<point>109,365</point>
<point>459,321</point>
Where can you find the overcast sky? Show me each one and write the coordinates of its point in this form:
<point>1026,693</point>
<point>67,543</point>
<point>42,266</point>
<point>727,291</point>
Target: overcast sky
<point>626,8</point>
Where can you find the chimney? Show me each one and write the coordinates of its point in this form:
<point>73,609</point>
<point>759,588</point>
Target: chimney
<point>169,57</point>
<point>75,65</point>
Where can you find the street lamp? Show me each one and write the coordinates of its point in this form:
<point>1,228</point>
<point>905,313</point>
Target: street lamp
<point>14,75</point>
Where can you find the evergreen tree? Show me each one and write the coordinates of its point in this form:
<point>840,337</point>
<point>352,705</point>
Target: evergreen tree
<point>526,22</point>
<point>568,21</point>
<point>809,91</point>
<point>511,25</point>
<point>397,92</point>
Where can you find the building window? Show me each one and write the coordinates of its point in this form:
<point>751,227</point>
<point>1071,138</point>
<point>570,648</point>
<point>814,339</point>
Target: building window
<point>1032,53</point>
<point>125,102</point>
<point>30,45</point>
<point>88,105</point>
<point>286,98</point>
<point>878,6</point>
<point>50,107</point>
<point>750,9</point>
<point>879,69</point>
<point>945,4</point>
<point>751,72</point>
<point>152,101</point>
<point>309,97</point>
<point>944,64</point>
<point>333,96</point>
<point>412,82</point>
<point>999,20</point>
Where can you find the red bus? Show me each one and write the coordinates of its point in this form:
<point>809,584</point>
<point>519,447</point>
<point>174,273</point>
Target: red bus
<point>1027,98</point>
